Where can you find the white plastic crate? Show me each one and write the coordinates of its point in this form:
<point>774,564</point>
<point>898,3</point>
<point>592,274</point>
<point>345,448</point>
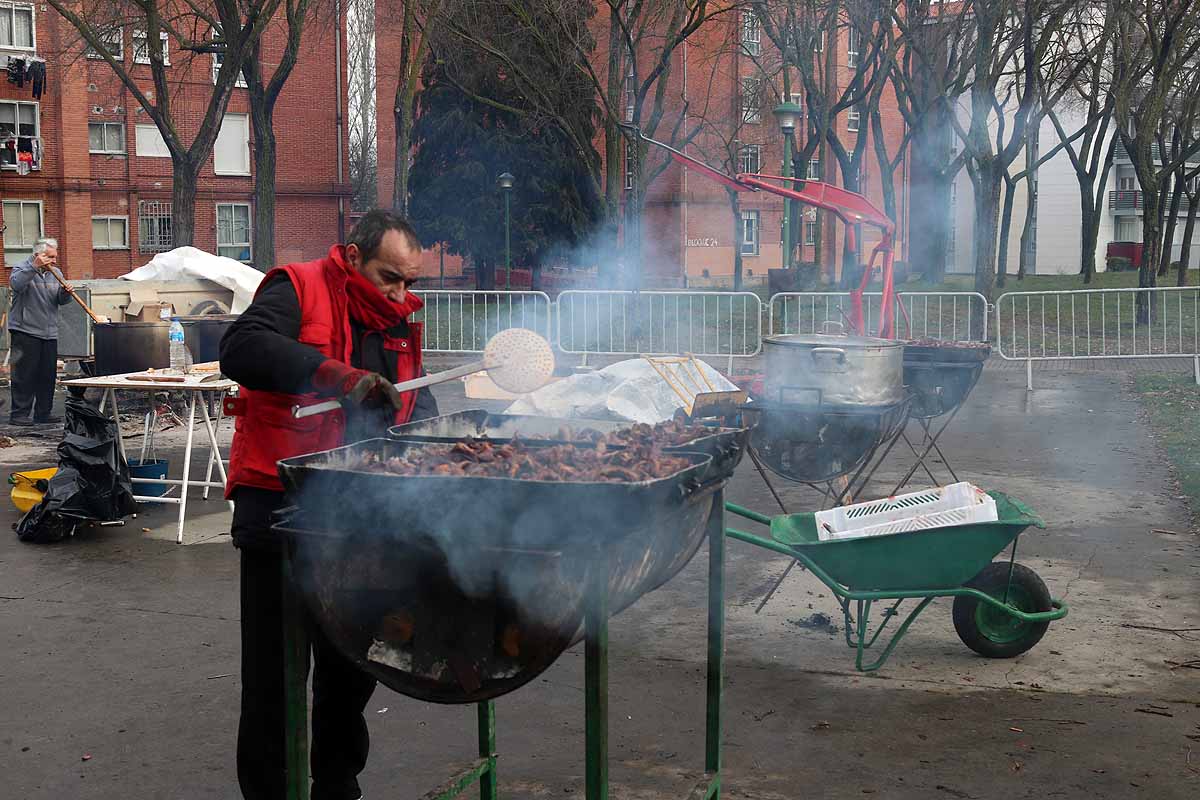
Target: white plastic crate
<point>939,507</point>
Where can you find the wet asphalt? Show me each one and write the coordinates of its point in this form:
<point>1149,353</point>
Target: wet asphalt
<point>118,675</point>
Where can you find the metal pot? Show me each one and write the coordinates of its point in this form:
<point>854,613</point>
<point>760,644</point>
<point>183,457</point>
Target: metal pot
<point>202,334</point>
<point>822,369</point>
<point>131,346</point>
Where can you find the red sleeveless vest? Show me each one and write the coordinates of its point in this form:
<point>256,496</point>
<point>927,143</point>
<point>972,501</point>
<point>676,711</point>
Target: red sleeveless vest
<point>265,430</point>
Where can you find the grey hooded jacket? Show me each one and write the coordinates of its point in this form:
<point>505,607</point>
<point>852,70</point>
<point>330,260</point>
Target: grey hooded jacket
<point>36,296</point>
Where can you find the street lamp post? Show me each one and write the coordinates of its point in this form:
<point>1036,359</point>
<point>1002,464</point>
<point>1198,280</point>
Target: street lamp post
<point>787,114</point>
<point>505,182</point>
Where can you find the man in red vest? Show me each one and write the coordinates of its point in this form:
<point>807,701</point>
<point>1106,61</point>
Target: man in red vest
<point>337,327</point>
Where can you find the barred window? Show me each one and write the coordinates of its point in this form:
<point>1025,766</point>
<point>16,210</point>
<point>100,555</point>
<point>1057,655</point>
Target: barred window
<point>154,226</point>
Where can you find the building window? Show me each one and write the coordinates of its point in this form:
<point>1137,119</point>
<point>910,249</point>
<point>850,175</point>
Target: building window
<point>853,116</point>
<point>1127,184</point>
<point>218,59</point>
<point>812,221</point>
<point>113,43</point>
<point>20,125</point>
<point>141,49</point>
<point>233,231</point>
<point>630,93</point>
<point>110,233</point>
<point>231,152</point>
<point>853,46</point>
<point>629,157</point>
<point>106,137</point>
<point>751,100</point>
<point>22,227</point>
<point>16,26</point>
<point>751,34</point>
<point>148,141</point>
<point>749,159</point>
<point>951,229</point>
<point>814,169</point>
<point>749,238</point>
<point>819,44</point>
<point>154,226</point>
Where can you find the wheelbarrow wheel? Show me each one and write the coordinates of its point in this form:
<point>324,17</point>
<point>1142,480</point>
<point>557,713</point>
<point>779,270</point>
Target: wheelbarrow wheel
<point>993,632</point>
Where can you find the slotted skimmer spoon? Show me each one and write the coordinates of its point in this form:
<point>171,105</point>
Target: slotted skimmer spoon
<point>517,360</point>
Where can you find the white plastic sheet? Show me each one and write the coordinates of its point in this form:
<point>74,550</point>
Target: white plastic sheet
<point>626,391</point>
<point>191,262</point>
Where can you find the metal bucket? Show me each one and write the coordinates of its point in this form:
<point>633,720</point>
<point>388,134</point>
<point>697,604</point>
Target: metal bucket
<point>202,335</point>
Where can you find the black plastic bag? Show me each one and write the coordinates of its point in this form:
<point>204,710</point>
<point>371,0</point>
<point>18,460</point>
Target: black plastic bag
<point>92,482</point>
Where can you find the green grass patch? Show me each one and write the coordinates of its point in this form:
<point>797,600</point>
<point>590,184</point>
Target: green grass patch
<point>1172,403</point>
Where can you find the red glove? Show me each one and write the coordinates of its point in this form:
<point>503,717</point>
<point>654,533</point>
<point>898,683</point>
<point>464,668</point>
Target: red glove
<point>358,387</point>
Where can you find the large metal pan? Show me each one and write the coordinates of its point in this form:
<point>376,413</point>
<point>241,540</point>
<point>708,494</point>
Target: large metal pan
<point>725,445</point>
<point>460,589</point>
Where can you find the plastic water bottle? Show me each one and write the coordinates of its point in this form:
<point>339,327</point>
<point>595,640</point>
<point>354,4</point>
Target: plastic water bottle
<point>181,359</point>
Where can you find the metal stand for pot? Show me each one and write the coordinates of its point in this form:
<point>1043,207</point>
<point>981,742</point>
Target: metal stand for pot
<point>483,769</point>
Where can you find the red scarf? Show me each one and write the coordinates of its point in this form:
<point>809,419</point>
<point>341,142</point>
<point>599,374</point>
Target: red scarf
<point>368,305</point>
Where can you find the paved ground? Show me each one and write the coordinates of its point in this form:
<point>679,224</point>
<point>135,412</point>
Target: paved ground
<point>123,647</point>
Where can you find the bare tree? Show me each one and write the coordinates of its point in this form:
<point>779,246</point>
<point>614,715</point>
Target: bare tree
<point>1090,104</point>
<point>1006,44</point>
<point>262,118</point>
<point>929,70</point>
<point>360,63</point>
<point>1154,59</point>
<point>187,25</point>
<point>418,20</point>
<point>809,34</point>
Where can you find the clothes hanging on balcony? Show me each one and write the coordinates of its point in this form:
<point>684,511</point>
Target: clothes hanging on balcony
<point>35,73</point>
<point>28,70</point>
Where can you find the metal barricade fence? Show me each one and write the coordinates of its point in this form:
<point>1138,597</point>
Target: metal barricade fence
<point>708,324</point>
<point>1085,324</point>
<point>947,316</point>
<point>463,321</point>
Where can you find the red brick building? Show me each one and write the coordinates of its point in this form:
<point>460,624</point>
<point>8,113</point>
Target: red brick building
<point>689,230</point>
<point>100,177</point>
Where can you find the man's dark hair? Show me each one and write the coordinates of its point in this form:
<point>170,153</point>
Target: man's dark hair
<point>370,230</point>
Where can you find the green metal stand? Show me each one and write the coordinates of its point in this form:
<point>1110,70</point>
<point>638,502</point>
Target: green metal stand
<point>483,769</point>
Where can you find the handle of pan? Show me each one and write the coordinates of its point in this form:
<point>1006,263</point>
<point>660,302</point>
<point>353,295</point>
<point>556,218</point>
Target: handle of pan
<point>300,412</point>
<point>837,352</point>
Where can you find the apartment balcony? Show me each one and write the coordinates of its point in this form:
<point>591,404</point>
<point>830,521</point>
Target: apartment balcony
<point>1121,155</point>
<point>1130,202</point>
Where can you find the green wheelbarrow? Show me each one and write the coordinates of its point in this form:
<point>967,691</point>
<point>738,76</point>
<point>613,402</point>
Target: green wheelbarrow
<point>1001,608</point>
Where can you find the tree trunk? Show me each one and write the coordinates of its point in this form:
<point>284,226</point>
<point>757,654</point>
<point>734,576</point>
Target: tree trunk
<point>1151,248</point>
<point>1089,232</point>
<point>614,170</point>
<point>1164,259</point>
<point>1027,228</point>
<point>404,126</point>
<point>185,180</point>
<point>987,208</point>
<point>1010,194</point>
<point>264,186</point>
<point>1189,228</point>
<point>735,206</point>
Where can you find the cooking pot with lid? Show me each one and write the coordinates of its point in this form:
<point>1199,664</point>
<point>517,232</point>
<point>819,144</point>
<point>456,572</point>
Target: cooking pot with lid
<point>824,369</point>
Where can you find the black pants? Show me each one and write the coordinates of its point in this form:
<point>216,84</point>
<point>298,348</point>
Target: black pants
<point>340,690</point>
<point>33,365</point>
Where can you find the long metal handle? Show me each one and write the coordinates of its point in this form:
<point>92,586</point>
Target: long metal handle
<point>299,412</point>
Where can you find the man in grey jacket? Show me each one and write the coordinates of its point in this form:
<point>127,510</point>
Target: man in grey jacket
<point>33,331</point>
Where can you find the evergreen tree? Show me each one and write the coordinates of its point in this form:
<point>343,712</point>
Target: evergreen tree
<point>474,122</point>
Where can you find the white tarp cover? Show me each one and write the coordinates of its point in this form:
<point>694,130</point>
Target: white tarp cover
<point>626,391</point>
<point>191,262</point>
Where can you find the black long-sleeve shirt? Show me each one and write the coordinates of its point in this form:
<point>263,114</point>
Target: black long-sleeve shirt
<point>262,351</point>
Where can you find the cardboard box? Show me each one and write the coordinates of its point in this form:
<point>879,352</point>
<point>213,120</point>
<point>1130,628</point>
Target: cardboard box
<point>146,306</point>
